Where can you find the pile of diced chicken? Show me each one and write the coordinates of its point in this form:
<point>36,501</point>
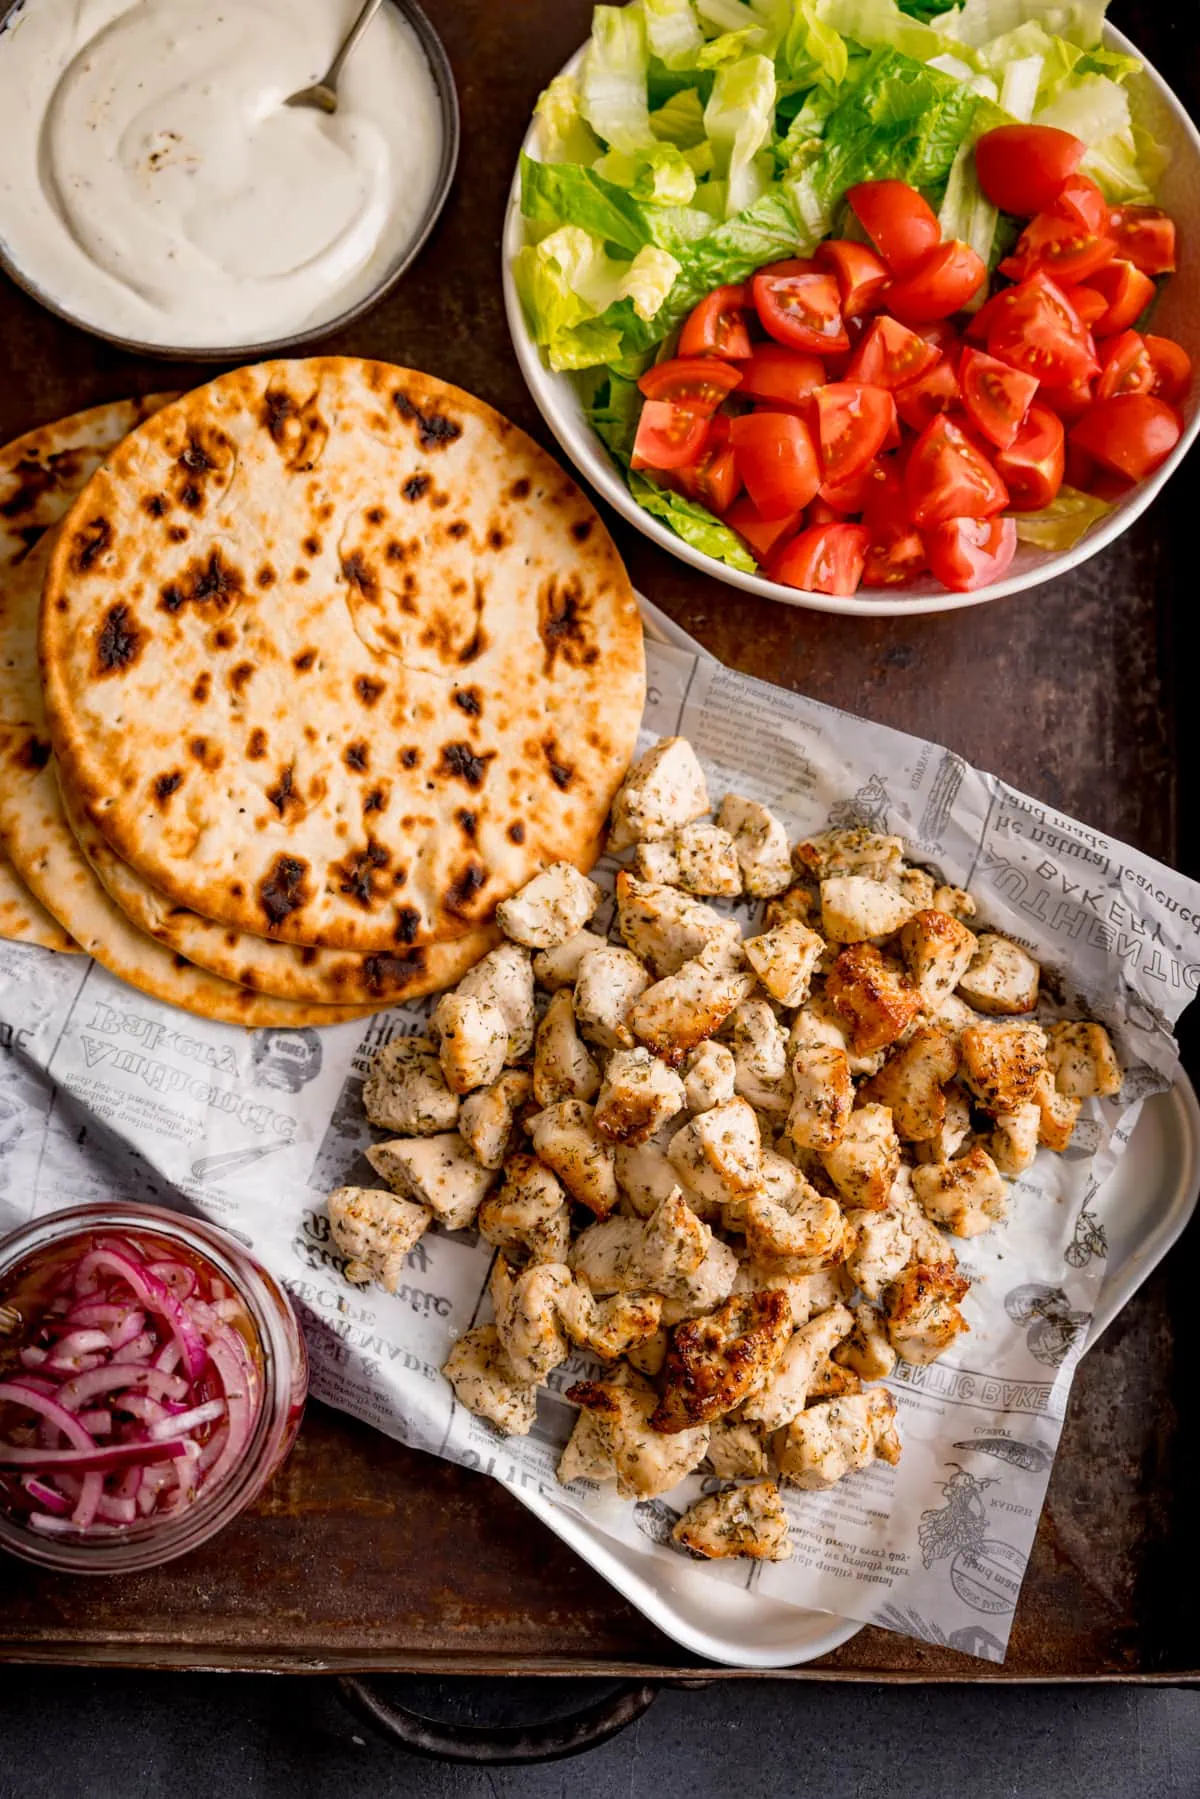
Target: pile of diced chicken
<point>765,1140</point>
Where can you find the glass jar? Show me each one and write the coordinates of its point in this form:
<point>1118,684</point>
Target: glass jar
<point>275,1343</point>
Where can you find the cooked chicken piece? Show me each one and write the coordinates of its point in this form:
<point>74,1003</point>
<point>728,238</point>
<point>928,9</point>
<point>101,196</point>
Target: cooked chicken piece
<point>692,1295</point>
<point>612,1327</point>
<point>953,1131</point>
<point>526,1306</point>
<point>917,887</point>
<point>735,1450</point>
<point>608,982</point>
<point>1013,1143</point>
<point>682,1009</point>
<point>714,1362</point>
<point>639,1095</point>
<point>823,1097</point>
<point>760,1056</point>
<point>563,1068</point>
<point>718,1153</point>
<point>867,1350</point>
<point>527,1217</point>
<point>586,1455</point>
<point>666,928</point>
<point>505,978</point>
<point>855,908</point>
<point>1058,1113</point>
<point>549,909</point>
<point>559,967</point>
<point>937,952</point>
<point>624,1255</point>
<point>478,1370</point>
<point>742,1521</point>
<point>877,1003</point>
<point>1001,977</point>
<point>807,1294</point>
<point>910,1083</point>
<point>1082,1060</point>
<point>955,900</point>
<point>761,844</point>
<point>699,859</point>
<point>406,1091</point>
<point>1002,1063</point>
<point>829,1441</point>
<point>376,1230</point>
<point>784,960</point>
<point>798,902</point>
<point>644,1174</point>
<point>709,1076</point>
<point>566,1139</point>
<point>886,1242</point>
<point>967,1196</point>
<point>785,1392</point>
<point>922,1311</point>
<point>802,1229</point>
<point>862,1164</point>
<point>663,791</point>
<point>488,1120</point>
<point>647,1461</point>
<point>472,1041</point>
<point>818,1023</point>
<point>439,1172</point>
<point>854,852</point>
<point>831,1381</point>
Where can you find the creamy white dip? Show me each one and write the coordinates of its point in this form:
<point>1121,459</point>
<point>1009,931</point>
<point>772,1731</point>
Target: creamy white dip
<point>153,184</point>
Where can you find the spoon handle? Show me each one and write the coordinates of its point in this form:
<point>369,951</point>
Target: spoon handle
<point>352,36</point>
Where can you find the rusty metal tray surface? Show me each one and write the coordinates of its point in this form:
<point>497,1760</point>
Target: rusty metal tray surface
<point>365,1555</point>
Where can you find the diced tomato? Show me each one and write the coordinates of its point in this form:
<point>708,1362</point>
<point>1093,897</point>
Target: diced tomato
<point>861,275</point>
<point>943,336</point>
<point>1032,465</point>
<point>1080,470</point>
<point>851,495</point>
<point>935,391</point>
<point>764,535</point>
<point>1070,402</point>
<point>1172,368</point>
<point>899,223</point>
<point>697,383</point>
<point>1130,435</point>
<point>1126,293</point>
<point>980,323</point>
<point>890,355</point>
<point>822,513</point>
<point>966,553</point>
<point>1125,367</point>
<point>995,396</point>
<point>717,327</point>
<point>1081,201</point>
<point>800,307</point>
<point>949,477</point>
<point>668,436</point>
<point>1022,168</point>
<point>772,372</point>
<point>896,551</point>
<point>823,559</point>
<point>853,420</point>
<point>1038,331</point>
<point>713,479</point>
<point>1145,237</point>
<point>894,560</point>
<point>938,283</point>
<point>1088,302</point>
<point>777,461</point>
<point>1063,248</point>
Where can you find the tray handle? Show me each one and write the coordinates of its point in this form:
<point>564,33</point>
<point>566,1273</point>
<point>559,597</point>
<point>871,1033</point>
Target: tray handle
<point>500,1745</point>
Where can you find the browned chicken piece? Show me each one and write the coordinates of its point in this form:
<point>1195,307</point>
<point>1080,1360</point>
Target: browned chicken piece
<point>608,1328</point>
<point>1058,1113</point>
<point>798,902</point>
<point>916,886</point>
<point>627,1254</point>
<point>829,1441</point>
<point>786,1388</point>
<point>488,1119</point>
<point>527,1217</point>
<point>504,978</point>
<point>1082,1061</point>
<point>682,1009</point>
<point>784,960</point>
<point>867,1350</point>
<point>692,1295</point>
<point>1003,1062</point>
<point>472,1039</point>
<point>586,1455</point>
<point>638,1096</point>
<point>831,1381</point>
<point>663,791</point>
<point>559,967</point>
<point>484,1383</point>
<point>649,1355</point>
<point>563,1067</point>
<point>886,1242</point>
<point>550,908</point>
<point>862,1164</point>
<point>802,1230</point>
<point>761,843</point>
<point>922,1311</point>
<point>666,928</point>
<point>406,1091</point>
<point>526,1306</point>
<point>700,858</point>
<point>877,1003</point>
<point>565,1138</point>
<point>955,900</point>
<point>743,1521</point>
<point>937,952</point>
<point>647,1461</point>
<point>718,1153</point>
<point>822,1097</point>
<point>608,983</point>
<point>852,852</point>
<point>1013,1141</point>
<point>967,1196</point>
<point>736,1451</point>
<point>1002,977</point>
<point>807,1294</point>
<point>819,1023</point>
<point>644,1175</point>
<point>376,1230</point>
<point>439,1172</point>
<point>760,1056</point>
<point>855,908</point>
<point>709,1076</point>
<point>953,1131</point>
<point>910,1083</point>
<point>713,1362</point>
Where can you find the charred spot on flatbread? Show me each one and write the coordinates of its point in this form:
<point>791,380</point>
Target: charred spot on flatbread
<point>468,700</point>
<point>464,887</point>
<point>360,874</point>
<point>167,784</point>
<point>119,642</point>
<point>33,477</point>
<point>295,426</point>
<point>460,763</point>
<point>564,617</point>
<point>285,888</point>
<point>210,581</point>
<point>256,744</point>
<point>386,972</point>
<point>434,429</point>
<point>356,572</point>
<point>202,468</point>
<point>33,754</point>
<point>89,542</point>
<point>357,756</point>
<point>562,773</point>
<point>368,689</point>
<point>415,486</point>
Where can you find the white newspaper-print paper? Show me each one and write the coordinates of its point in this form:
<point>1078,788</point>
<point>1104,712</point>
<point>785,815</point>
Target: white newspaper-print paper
<point>104,1092</point>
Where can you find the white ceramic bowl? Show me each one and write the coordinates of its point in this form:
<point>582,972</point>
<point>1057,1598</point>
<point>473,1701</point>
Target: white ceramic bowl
<point>1177,316</point>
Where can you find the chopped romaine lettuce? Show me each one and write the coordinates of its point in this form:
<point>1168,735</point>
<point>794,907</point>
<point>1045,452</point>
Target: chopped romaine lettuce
<point>613,96</point>
<point>1061,524</point>
<point>673,32</point>
<point>738,120</point>
<point>680,120</point>
<point>694,523</point>
<point>662,174</point>
<point>563,133</point>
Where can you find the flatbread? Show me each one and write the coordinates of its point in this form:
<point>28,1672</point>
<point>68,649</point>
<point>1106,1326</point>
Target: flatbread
<point>22,920</point>
<point>35,833</point>
<point>336,655</point>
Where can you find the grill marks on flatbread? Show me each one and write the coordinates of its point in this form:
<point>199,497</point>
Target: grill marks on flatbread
<point>336,656</point>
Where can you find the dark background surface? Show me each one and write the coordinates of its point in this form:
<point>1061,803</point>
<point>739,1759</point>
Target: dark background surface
<point>1078,693</point>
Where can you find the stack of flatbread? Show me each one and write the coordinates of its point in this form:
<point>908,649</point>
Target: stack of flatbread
<point>300,674</point>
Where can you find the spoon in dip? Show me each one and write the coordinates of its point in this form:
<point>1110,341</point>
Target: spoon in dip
<point>323,93</point>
